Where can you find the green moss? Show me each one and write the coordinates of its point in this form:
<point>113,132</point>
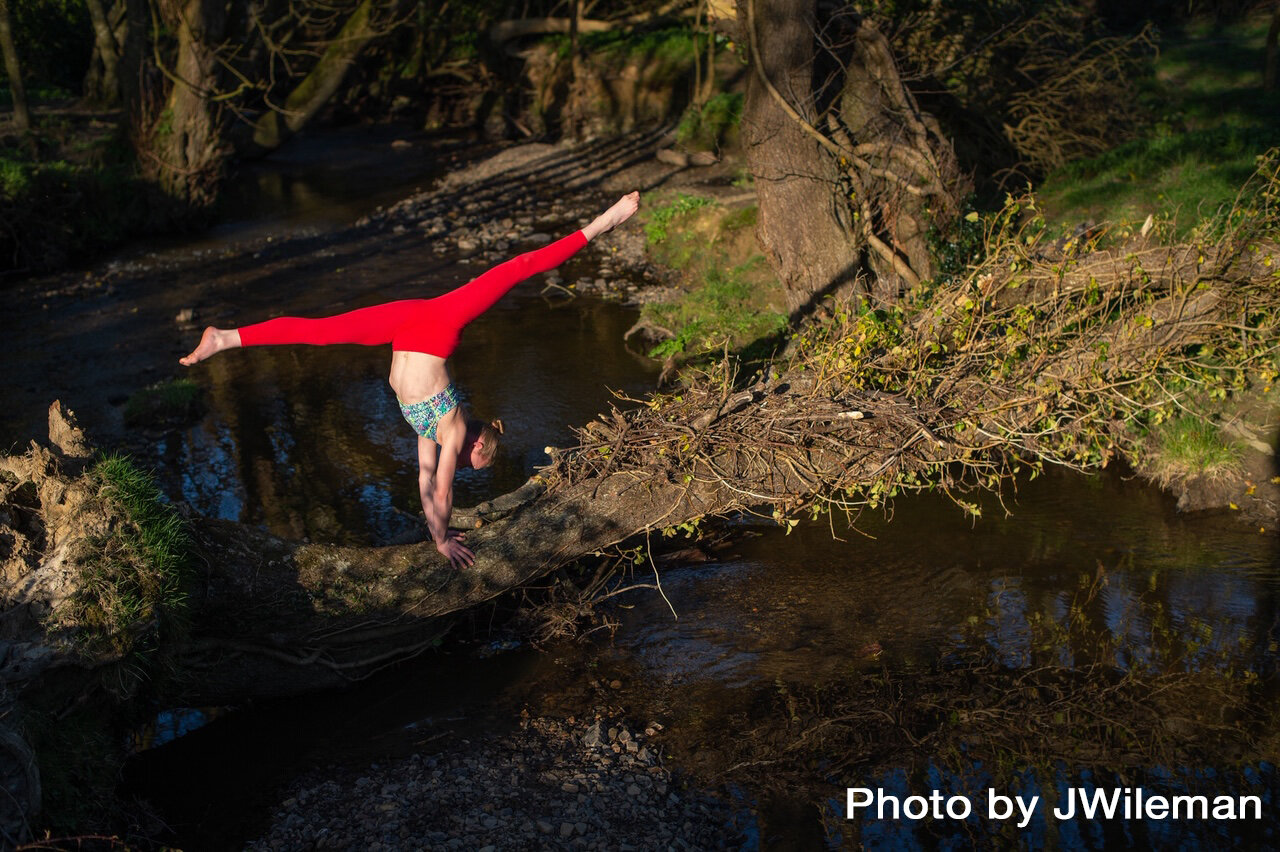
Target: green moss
<point>164,404</point>
<point>714,125</point>
<point>671,45</point>
<point>736,220</point>
<point>660,217</point>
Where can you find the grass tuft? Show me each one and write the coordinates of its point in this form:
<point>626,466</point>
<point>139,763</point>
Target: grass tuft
<point>660,217</point>
<point>130,591</point>
<point>1188,448</point>
<point>164,403</point>
<point>723,307</point>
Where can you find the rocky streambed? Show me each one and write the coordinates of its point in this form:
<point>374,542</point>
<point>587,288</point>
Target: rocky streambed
<point>598,783</point>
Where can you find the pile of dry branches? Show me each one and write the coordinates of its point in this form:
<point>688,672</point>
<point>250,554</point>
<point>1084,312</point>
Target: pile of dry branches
<point>1049,350</point>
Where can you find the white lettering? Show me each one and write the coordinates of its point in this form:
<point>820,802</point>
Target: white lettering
<point>1191,802</point>
<point>1157,807</point>
<point>1245,801</point>
<point>1027,808</point>
<point>913,807</point>
<point>998,806</point>
<point>1090,805</point>
<point>851,804</point>
<point>919,814</point>
<point>965,804</point>
<point>881,798</point>
<point>1071,806</point>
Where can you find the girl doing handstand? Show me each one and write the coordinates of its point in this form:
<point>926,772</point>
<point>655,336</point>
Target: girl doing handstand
<point>423,333</point>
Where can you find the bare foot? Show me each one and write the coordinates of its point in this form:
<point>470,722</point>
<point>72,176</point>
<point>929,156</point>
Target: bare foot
<point>213,341</point>
<point>620,212</point>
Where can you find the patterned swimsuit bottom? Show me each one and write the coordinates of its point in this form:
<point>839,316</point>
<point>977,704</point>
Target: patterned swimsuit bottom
<point>425,416</point>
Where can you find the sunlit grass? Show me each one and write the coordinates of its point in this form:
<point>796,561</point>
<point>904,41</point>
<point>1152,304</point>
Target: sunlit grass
<point>1189,447</point>
<point>723,307</point>
<point>130,587</point>
<point>660,217</point>
<point>1213,119</point>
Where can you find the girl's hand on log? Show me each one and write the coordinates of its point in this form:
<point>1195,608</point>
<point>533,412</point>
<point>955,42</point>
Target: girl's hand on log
<point>452,548</point>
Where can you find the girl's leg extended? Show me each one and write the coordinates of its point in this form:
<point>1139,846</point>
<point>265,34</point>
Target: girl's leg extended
<point>370,326</point>
<point>469,301</point>
<point>459,307</point>
<point>213,341</point>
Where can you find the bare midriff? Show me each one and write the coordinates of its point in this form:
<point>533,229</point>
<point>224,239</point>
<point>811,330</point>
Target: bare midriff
<point>416,376</point>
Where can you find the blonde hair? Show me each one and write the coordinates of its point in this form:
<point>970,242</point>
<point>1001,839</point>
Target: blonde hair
<point>489,433</point>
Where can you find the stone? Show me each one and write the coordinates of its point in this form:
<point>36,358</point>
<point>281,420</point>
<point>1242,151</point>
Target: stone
<point>566,829</point>
<point>672,157</point>
<point>65,433</point>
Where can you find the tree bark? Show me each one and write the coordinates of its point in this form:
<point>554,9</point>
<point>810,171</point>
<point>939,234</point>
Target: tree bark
<point>804,224</point>
<point>21,114</point>
<point>315,90</point>
<point>857,184</point>
<point>905,175</point>
<point>102,89</point>
<point>187,151</point>
<point>133,69</point>
<point>1273,53</point>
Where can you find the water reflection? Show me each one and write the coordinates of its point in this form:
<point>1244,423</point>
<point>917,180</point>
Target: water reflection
<point>821,659</point>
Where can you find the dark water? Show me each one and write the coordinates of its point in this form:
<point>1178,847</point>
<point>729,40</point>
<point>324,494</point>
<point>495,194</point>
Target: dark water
<point>769,615</point>
<point>778,637</point>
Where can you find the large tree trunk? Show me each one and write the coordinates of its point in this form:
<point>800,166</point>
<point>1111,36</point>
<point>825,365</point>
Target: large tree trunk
<point>904,173</point>
<point>21,115</point>
<point>805,223</point>
<point>858,182</point>
<point>133,69</point>
<point>187,150</point>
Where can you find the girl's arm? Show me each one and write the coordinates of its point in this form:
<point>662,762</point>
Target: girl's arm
<point>435,488</point>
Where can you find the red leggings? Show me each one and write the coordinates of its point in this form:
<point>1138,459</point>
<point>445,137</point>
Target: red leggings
<point>417,325</point>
